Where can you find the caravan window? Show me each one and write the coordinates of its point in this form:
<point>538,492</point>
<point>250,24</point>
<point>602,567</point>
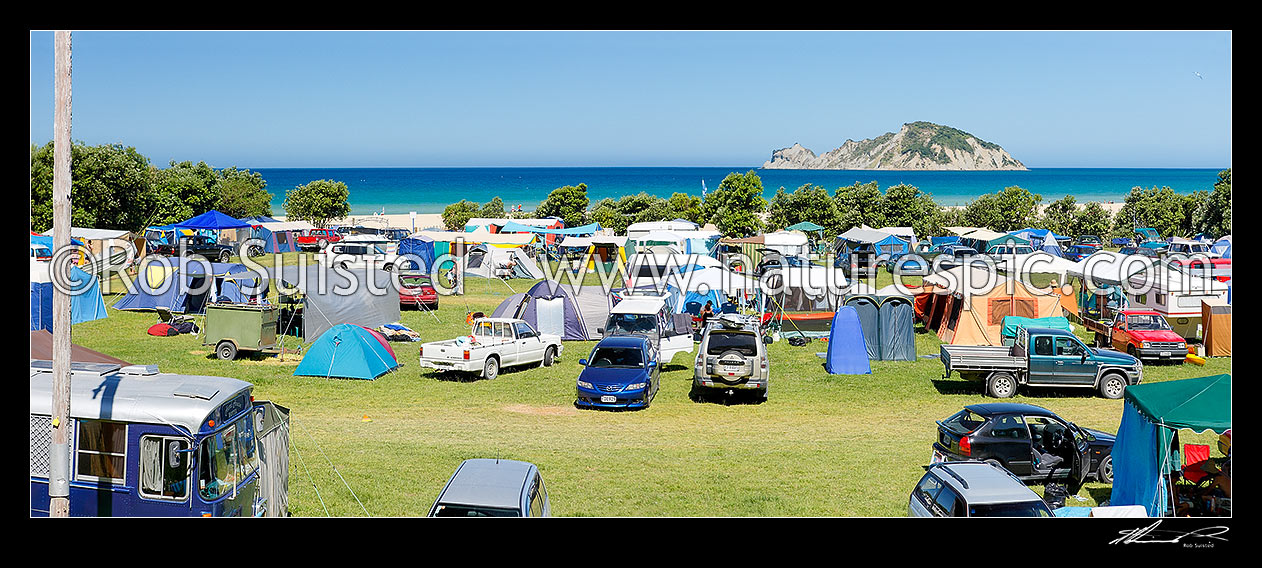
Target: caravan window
<point>164,468</point>
<point>102,451</point>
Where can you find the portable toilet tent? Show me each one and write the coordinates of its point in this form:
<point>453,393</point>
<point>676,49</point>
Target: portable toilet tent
<point>86,303</point>
<point>552,309</point>
<point>847,352</point>
<point>887,319</point>
<point>1216,321</point>
<point>346,351</point>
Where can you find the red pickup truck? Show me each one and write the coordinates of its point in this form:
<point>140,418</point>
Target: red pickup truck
<point>317,239</point>
<point>1147,335</point>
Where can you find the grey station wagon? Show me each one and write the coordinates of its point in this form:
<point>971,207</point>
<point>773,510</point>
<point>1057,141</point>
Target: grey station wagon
<point>973,489</point>
<point>493,488</point>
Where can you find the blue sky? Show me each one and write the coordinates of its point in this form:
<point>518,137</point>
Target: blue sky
<point>341,99</point>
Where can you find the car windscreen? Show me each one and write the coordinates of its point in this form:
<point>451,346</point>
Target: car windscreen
<point>631,323</point>
<point>413,281</point>
<point>1147,322</point>
<point>1020,509</point>
<point>617,357</point>
<point>964,421</point>
<point>723,341</point>
<point>469,511</point>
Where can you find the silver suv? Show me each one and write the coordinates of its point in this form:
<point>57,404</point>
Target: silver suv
<point>732,357</point>
<point>973,489</point>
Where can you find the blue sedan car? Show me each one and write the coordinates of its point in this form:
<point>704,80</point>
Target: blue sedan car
<point>622,372</point>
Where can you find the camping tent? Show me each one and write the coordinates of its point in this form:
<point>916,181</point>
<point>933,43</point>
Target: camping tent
<point>1216,321</point>
<point>86,303</point>
<point>347,351</point>
<point>188,285</point>
<point>331,297</point>
<point>495,262</point>
<point>847,352</point>
<point>1222,246</point>
<point>512,306</point>
<point>552,309</point>
<point>967,304</point>
<point>280,236</point>
<point>611,251</point>
<point>420,249</point>
<point>211,220</point>
<point>1144,456</point>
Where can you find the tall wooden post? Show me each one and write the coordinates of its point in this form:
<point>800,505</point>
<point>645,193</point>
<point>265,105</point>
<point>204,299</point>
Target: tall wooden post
<point>59,474</point>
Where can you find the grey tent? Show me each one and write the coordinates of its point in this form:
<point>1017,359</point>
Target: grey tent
<point>593,304</point>
<point>552,309</point>
<point>887,318</point>
<point>512,306</point>
<point>494,262</point>
<point>365,297</point>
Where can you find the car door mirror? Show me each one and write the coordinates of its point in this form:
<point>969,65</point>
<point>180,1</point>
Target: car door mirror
<point>582,362</point>
<point>600,330</point>
<point>652,364</point>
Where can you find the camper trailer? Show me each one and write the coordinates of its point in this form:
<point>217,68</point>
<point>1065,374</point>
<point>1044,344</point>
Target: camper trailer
<point>150,444</point>
<point>1175,295</point>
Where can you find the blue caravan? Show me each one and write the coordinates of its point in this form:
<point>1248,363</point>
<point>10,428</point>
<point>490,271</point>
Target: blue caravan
<point>148,444</point>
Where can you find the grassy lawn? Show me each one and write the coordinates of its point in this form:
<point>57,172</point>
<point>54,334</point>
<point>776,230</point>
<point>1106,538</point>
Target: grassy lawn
<point>822,445</point>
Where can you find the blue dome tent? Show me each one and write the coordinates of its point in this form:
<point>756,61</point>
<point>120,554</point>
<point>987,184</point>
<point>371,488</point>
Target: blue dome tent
<point>346,351</point>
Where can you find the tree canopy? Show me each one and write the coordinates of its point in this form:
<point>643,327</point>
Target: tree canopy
<point>736,205</point>
<point>569,203</point>
<point>318,202</point>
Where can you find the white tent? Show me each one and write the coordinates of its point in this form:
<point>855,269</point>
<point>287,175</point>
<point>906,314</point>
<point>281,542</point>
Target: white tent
<point>494,262</point>
<point>787,242</point>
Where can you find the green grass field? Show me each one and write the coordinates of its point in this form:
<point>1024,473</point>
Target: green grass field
<point>822,445</point>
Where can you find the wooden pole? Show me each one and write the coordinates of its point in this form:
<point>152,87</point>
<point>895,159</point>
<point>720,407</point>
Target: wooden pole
<point>59,474</point>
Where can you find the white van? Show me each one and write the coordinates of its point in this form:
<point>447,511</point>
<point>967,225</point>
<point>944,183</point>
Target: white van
<point>651,317</point>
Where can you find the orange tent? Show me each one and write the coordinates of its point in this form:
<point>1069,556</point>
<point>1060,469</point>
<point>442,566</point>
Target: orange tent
<point>1216,323</point>
<point>974,302</point>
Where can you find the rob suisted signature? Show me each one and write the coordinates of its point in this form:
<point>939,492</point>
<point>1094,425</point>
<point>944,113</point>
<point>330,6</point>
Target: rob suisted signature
<point>1150,535</point>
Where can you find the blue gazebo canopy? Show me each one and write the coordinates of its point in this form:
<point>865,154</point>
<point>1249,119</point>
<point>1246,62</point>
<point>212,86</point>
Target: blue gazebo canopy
<point>212,220</point>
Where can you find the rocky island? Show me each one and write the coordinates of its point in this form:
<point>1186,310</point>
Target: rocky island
<point>916,146</point>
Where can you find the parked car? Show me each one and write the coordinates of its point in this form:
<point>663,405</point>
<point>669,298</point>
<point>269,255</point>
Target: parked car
<point>772,258</point>
<point>41,252</point>
<point>493,488</point>
<point>1144,334</point>
<point>1190,248</point>
<point>732,357</point>
<point>1079,252</point>
<point>362,254</point>
<point>973,489</point>
<point>494,343</point>
<point>621,372</point>
<point>396,234</point>
<point>194,244</point>
<point>1045,358</point>
<point>949,256</point>
<point>908,265</point>
<point>415,290</point>
<point>1019,437</point>
<point>317,239</point>
<point>1089,241</point>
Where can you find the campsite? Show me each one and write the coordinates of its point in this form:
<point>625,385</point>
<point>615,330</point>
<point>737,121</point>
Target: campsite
<point>823,444</point>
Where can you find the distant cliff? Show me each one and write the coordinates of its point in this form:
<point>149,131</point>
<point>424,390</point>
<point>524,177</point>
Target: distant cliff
<point>916,146</point>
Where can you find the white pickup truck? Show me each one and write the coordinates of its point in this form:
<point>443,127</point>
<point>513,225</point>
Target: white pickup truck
<point>493,344</point>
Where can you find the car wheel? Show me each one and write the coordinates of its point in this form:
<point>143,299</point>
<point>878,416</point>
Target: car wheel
<point>1104,472</point>
<point>1001,385</point>
<point>491,368</point>
<point>226,350</point>
<point>224,256</point>
<point>1112,386</point>
<point>388,267</point>
<point>548,356</point>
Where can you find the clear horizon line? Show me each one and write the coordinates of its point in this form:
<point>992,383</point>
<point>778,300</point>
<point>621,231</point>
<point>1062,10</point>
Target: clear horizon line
<point>751,167</point>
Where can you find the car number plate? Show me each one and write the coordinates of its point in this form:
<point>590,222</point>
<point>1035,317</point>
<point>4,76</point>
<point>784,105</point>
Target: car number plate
<point>1165,353</point>
<point>608,398</point>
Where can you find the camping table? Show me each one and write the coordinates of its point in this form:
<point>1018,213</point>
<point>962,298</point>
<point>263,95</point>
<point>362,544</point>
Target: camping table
<point>235,327</point>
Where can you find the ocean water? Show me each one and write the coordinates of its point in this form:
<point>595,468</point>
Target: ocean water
<point>429,190</point>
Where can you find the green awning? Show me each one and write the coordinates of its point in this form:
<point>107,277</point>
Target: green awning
<point>1199,404</point>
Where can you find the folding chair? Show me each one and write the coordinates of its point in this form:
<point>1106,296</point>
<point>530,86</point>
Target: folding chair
<point>165,316</point>
<point>1195,456</point>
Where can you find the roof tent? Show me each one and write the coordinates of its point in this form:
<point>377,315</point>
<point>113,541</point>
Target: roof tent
<point>1151,414</point>
<point>552,309</point>
<point>347,351</point>
<point>364,297</point>
<point>86,303</point>
<point>187,286</point>
<point>847,351</point>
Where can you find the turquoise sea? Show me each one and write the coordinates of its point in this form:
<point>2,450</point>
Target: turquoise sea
<point>429,190</point>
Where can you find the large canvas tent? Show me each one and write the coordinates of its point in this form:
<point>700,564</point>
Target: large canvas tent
<point>967,305</point>
<point>347,351</point>
<point>187,286</point>
<point>86,303</point>
<point>364,297</point>
<point>847,351</point>
<point>1143,456</point>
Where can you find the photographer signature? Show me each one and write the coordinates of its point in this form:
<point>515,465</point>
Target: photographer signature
<point>1147,535</point>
